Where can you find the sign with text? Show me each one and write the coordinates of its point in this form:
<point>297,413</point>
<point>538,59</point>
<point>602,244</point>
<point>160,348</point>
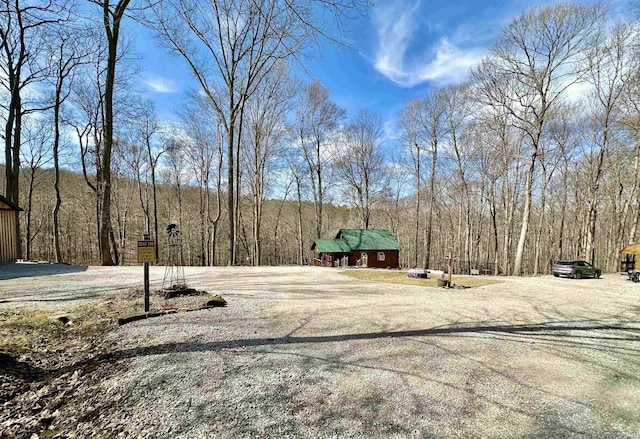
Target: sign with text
<point>146,251</point>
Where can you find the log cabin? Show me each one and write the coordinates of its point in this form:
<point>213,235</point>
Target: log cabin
<point>376,248</point>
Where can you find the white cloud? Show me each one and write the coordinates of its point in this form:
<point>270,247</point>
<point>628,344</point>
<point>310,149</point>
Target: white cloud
<point>161,85</point>
<point>444,62</point>
<point>577,91</point>
<point>390,130</point>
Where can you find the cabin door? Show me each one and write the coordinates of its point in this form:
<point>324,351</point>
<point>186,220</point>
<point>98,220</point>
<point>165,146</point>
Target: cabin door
<point>364,259</point>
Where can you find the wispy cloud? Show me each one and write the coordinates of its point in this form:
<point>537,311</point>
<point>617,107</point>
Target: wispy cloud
<point>390,129</point>
<point>443,62</point>
<point>161,85</point>
<point>578,91</point>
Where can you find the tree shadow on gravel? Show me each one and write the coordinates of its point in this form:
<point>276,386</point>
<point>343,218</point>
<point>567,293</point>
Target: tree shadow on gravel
<point>551,422</point>
<point>619,336</point>
<point>566,332</point>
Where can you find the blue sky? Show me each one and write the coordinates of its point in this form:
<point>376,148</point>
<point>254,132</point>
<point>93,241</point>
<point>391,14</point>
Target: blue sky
<point>399,49</point>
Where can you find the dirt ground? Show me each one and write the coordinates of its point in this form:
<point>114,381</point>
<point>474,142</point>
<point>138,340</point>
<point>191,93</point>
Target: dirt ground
<point>308,352</point>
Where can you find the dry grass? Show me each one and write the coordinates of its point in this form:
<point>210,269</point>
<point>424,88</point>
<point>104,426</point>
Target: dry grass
<point>400,277</point>
<point>41,337</point>
<point>47,354</point>
<point>42,354</point>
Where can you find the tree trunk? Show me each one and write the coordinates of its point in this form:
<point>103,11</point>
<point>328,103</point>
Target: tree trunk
<point>155,210</point>
<point>320,194</point>
<point>563,211</point>
<point>56,182</point>
<point>112,22</point>
<point>29,238</point>
<point>415,241</point>
<point>536,262</point>
<point>230,182</point>
<point>203,230</point>
<point>300,240</point>
<point>494,223</point>
<point>13,140</point>
<point>526,214</point>
<point>432,199</point>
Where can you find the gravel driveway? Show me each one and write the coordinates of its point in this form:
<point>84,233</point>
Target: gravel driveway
<point>308,352</point>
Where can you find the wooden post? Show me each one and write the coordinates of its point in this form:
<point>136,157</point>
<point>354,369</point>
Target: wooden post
<point>450,268</point>
<point>146,281</point>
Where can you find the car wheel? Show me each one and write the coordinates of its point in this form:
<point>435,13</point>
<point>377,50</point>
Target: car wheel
<point>596,275</point>
<point>556,275</point>
<point>576,275</point>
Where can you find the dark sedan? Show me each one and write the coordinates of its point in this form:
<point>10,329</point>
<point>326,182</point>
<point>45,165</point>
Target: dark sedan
<point>575,269</point>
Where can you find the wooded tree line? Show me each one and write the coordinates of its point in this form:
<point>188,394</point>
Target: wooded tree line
<point>535,158</point>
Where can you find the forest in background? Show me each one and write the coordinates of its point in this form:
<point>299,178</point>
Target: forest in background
<point>535,158</point>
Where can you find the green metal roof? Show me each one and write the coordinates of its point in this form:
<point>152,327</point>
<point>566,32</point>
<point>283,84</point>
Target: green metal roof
<point>331,246</point>
<point>369,239</point>
<point>348,240</point>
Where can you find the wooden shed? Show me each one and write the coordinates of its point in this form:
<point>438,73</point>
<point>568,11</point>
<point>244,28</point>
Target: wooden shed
<point>8,231</point>
<point>630,257</point>
<point>358,247</point>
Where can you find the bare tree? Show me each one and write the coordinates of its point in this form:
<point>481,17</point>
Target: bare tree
<point>610,66</point>
<point>318,118</point>
<point>127,157</point>
<point>423,128</point>
<point>67,51</point>
<point>296,165</point>
<point>175,177</point>
<point>393,195</point>
<point>277,251</point>
<point>35,154</point>
<point>631,124</point>
<point>23,31</point>
<point>203,153</point>
<point>87,115</point>
<point>434,130</point>
<point>360,163</point>
<point>148,137</point>
<point>534,62</point>
<point>112,15</point>
<point>456,112</point>
<point>243,40</point>
<point>263,145</point>
<point>564,137</point>
<point>412,138</point>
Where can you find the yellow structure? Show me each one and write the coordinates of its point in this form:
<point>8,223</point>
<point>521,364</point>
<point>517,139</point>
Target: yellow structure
<point>630,259</point>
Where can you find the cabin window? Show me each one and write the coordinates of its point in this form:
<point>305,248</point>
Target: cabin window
<point>381,256</point>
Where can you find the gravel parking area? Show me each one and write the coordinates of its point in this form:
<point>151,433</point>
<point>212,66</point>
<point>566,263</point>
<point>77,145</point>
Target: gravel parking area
<point>308,352</point>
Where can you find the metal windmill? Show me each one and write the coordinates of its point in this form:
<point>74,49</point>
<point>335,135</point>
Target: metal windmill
<point>174,270</point>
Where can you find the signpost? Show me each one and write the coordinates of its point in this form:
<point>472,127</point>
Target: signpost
<point>146,254</point>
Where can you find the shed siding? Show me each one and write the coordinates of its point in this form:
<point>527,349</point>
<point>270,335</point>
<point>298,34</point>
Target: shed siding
<point>8,244</point>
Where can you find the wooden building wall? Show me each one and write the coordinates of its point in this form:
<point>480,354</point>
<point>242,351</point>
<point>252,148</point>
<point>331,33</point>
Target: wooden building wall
<point>8,240</point>
<point>391,259</point>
